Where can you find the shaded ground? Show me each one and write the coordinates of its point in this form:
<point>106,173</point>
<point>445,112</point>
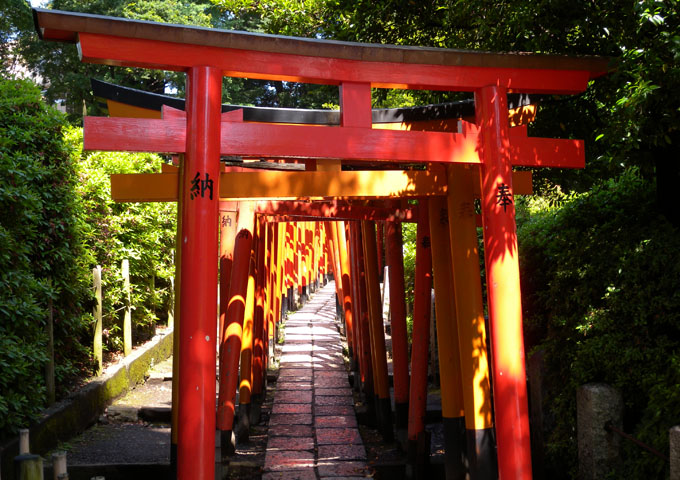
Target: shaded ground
<point>135,429</point>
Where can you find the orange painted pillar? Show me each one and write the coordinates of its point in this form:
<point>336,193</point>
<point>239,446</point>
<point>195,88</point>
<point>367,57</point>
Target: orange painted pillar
<point>504,297</point>
<point>447,341</point>
<point>290,252</point>
<point>259,327</point>
<point>471,328</point>
<point>346,285</point>
<point>276,232</point>
<point>380,236</point>
<point>395,262</point>
<point>247,342</point>
<point>366,357</point>
<point>227,239</point>
<point>269,304</point>
<point>377,332</point>
<point>200,214</point>
<point>297,281</point>
<point>234,325</point>
<point>418,453</point>
<point>337,270</point>
<point>357,361</point>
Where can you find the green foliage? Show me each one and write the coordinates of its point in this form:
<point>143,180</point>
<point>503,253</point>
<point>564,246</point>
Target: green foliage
<point>601,287</point>
<point>57,221</point>
<point>69,78</point>
<point>143,233</point>
<point>39,248</point>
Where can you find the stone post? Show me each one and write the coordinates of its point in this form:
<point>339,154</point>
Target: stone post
<point>598,450</point>
<point>674,435</point>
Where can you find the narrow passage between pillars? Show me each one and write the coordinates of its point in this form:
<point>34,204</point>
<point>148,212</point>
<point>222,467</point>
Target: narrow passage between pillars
<point>313,429</point>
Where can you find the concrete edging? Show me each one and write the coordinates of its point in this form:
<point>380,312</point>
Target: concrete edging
<point>68,417</point>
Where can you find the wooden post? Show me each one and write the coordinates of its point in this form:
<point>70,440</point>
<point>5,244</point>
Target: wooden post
<point>502,270</point>
<point>227,227</point>
<point>171,305</point>
<point>59,464</point>
<point>395,261</point>
<point>174,427</point>
<point>259,326</point>
<point>366,357</point>
<point>447,341</point>
<point>246,377</point>
<point>346,286</point>
<point>28,467</point>
<point>200,212</point>
<point>24,441</point>
<point>418,444</point>
<point>471,326</point>
<point>127,319</point>
<point>377,331</point>
<point>97,348</point>
<point>238,291</point>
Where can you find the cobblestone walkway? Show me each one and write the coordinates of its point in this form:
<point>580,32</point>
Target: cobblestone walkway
<point>313,431</point>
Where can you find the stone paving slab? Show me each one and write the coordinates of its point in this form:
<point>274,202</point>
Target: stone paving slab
<point>290,418</point>
<point>338,436</point>
<point>341,452</point>
<point>292,408</point>
<point>346,410</point>
<point>290,430</point>
<point>335,421</point>
<point>342,468</point>
<point>313,430</point>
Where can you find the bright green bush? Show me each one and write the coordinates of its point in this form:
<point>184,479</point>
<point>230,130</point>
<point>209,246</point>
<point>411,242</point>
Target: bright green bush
<point>57,221</point>
<point>601,292</point>
<point>39,247</point>
<point>143,233</point>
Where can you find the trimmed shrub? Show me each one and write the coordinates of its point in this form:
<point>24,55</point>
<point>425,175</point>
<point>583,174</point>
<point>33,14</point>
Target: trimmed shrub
<point>600,274</point>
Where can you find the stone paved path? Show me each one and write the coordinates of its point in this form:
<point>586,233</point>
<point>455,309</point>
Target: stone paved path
<point>313,431</point>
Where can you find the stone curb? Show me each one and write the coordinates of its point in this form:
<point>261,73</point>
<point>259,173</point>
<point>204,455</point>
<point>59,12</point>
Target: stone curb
<point>67,418</point>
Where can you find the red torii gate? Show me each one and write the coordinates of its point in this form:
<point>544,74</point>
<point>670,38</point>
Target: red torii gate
<point>207,55</point>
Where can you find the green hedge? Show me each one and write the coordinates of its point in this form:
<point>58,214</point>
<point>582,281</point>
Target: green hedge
<point>600,276</point>
<point>39,248</point>
<point>57,221</point>
<point>143,233</point>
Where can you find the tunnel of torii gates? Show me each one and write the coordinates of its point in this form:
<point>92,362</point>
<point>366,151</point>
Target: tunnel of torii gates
<point>292,225</point>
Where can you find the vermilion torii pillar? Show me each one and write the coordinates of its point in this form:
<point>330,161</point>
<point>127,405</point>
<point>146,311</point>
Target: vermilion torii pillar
<point>196,429</point>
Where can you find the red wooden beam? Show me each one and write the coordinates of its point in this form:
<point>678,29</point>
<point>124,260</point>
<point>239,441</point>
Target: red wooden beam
<point>352,143</point>
<point>155,54</point>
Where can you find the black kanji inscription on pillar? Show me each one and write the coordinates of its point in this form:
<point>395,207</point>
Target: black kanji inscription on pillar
<point>199,187</point>
<point>504,196</point>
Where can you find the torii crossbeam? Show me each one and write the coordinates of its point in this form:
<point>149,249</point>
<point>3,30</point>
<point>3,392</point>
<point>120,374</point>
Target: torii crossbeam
<point>207,55</point>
